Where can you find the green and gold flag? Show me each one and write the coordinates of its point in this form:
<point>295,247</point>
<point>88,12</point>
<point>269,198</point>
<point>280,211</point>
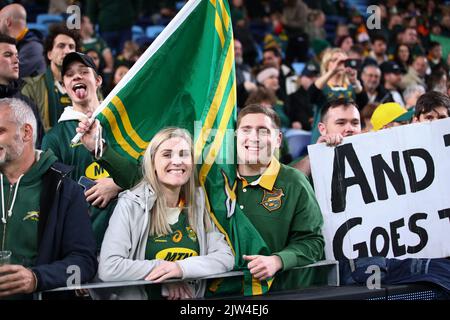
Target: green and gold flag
<point>186,78</point>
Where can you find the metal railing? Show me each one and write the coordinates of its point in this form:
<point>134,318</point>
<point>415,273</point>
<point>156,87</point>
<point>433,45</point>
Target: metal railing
<point>333,279</point>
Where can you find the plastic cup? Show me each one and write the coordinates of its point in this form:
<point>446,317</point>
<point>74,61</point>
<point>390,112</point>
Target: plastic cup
<point>5,257</point>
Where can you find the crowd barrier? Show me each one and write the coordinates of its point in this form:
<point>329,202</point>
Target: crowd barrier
<point>332,269</point>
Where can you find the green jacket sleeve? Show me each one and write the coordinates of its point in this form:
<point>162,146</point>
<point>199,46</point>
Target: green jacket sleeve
<point>124,172</point>
<point>52,142</point>
<point>306,243</point>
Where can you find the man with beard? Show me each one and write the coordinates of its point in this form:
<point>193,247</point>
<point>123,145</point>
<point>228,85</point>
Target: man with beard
<point>44,218</point>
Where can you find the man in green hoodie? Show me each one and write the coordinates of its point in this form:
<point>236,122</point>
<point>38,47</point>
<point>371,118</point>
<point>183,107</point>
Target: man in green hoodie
<point>81,81</point>
<point>44,218</point>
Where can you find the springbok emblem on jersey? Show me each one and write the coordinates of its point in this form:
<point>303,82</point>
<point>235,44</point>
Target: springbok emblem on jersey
<point>272,199</point>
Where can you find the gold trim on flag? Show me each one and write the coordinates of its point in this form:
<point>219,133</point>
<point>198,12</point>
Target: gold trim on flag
<point>217,143</point>
<point>225,17</point>
<point>215,105</point>
<point>109,115</point>
<point>127,124</point>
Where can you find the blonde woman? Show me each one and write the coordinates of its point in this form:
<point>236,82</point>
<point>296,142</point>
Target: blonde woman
<point>336,81</point>
<point>161,230</point>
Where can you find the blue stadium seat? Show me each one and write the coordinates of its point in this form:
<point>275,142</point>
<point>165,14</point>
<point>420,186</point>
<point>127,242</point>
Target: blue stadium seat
<point>46,18</point>
<point>43,28</point>
<point>298,67</point>
<point>137,32</point>
<point>154,31</point>
<point>298,141</point>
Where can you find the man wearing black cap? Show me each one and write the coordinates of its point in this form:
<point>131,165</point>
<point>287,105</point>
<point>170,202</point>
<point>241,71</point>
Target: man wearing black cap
<point>299,108</point>
<point>46,89</point>
<point>81,81</point>
<point>392,75</point>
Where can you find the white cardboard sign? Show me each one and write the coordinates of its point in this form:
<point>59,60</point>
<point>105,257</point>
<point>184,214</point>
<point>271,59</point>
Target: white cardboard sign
<point>386,193</point>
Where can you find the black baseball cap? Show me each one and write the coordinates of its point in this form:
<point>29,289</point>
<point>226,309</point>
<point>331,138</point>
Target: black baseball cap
<point>390,67</point>
<point>80,57</point>
<point>310,70</point>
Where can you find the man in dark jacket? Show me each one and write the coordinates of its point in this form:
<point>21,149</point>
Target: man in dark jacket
<point>9,77</point>
<point>13,22</point>
<point>45,222</point>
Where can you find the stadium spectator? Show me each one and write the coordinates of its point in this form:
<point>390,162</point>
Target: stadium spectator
<point>245,82</point>
<point>390,114</point>
<point>345,43</point>
<point>129,54</point>
<point>379,49</point>
<point>267,98</point>
<point>268,79</point>
<point>295,19</point>
<point>82,82</point>
<point>115,19</point>
<point>410,38</point>
<point>13,22</point>
<point>391,73</point>
<point>366,115</point>
<point>432,106</point>
<point>58,6</point>
<point>272,57</point>
<point>90,41</point>
<point>336,81</point>
<point>299,107</point>
<point>373,91</point>
<point>46,90</point>
<point>339,118</point>
<point>9,84</point>
<point>416,72</point>
<point>411,94</point>
<point>120,71</point>
<point>164,216</point>
<point>295,240</point>
<point>435,54</point>
<point>437,80</point>
<point>47,228</point>
<point>315,26</point>
<point>403,57</point>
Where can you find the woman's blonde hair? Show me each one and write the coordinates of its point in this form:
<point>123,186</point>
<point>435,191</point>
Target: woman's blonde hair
<point>326,59</point>
<point>159,224</point>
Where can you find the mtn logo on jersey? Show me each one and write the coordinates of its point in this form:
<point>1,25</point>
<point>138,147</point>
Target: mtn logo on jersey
<point>94,171</point>
<point>175,254</point>
<point>272,199</point>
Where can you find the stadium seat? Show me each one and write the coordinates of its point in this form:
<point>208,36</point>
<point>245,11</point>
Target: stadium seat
<point>137,32</point>
<point>154,31</point>
<point>298,67</point>
<point>42,28</point>
<point>298,141</point>
<point>47,19</point>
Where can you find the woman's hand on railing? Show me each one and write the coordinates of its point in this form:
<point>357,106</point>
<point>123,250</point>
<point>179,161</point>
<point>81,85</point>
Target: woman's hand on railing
<point>166,270</point>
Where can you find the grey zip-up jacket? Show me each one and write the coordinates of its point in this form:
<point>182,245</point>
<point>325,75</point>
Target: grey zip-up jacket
<point>122,256</point>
